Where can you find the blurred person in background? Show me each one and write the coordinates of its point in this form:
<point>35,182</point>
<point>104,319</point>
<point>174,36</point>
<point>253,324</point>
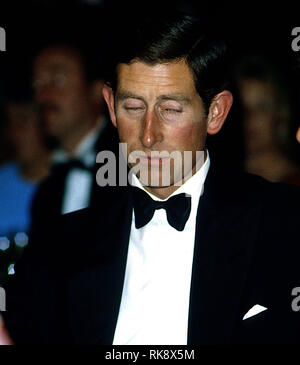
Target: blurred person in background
<point>20,177</point>
<point>28,142</point>
<point>267,117</point>
<point>5,147</point>
<point>71,113</point>
<point>68,81</point>
<point>29,165</point>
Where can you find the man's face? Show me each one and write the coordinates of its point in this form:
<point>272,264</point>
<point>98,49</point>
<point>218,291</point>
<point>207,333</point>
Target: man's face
<point>157,108</point>
<point>260,115</point>
<point>61,90</point>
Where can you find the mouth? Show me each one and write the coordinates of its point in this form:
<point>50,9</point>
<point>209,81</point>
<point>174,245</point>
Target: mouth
<point>152,160</point>
<point>48,111</point>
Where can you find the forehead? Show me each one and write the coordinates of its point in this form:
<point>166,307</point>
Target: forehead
<point>58,59</point>
<point>140,77</point>
<point>256,92</point>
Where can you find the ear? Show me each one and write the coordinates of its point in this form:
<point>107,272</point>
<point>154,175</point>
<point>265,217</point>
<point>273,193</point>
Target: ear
<point>108,95</point>
<point>298,135</point>
<point>218,111</point>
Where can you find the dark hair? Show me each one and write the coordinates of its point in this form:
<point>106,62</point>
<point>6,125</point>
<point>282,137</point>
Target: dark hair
<point>171,37</point>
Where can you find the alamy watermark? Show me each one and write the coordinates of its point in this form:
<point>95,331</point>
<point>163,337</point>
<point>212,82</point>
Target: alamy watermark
<point>296,41</point>
<point>156,168</point>
<point>2,39</point>
<point>296,301</point>
<point>2,300</point>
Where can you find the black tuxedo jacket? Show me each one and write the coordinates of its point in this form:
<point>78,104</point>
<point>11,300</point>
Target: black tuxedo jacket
<point>68,284</point>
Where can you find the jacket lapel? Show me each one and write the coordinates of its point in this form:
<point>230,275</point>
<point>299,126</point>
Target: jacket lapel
<point>227,224</point>
<point>94,293</point>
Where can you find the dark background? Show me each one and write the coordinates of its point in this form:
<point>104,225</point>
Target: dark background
<point>247,27</point>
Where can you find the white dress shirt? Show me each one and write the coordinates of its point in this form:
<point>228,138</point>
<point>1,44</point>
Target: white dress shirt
<point>78,183</point>
<point>155,299</point>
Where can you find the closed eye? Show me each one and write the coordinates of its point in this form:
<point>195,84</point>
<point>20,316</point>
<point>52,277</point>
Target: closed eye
<point>173,110</point>
<point>133,108</point>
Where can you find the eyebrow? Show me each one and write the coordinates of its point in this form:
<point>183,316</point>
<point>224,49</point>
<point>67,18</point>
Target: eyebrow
<point>124,94</point>
<point>52,70</point>
<point>57,68</point>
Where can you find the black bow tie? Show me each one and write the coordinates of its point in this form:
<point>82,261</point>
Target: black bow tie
<point>178,209</point>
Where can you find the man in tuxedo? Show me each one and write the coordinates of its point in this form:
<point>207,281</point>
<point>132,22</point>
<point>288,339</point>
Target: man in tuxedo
<point>211,260</point>
<point>68,91</point>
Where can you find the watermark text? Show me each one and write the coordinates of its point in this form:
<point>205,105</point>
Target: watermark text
<point>154,168</point>
<point>2,39</point>
<point>2,300</point>
<point>296,41</point>
<point>296,301</point>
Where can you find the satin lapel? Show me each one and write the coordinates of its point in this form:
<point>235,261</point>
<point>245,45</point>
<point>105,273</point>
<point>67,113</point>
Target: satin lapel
<point>227,224</point>
<point>94,292</point>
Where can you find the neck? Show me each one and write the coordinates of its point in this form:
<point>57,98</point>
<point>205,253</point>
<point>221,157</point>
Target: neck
<point>161,192</point>
<point>70,144</point>
<point>165,192</point>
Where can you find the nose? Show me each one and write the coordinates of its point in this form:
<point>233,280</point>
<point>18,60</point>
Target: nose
<point>42,94</point>
<point>151,132</point>
<point>45,93</point>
